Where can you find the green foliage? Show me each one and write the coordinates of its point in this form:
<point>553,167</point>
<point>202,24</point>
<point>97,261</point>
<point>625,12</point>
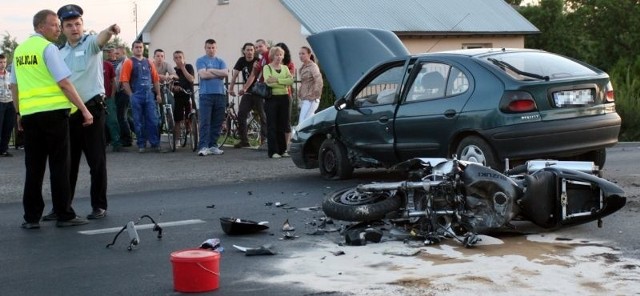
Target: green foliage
<point>8,46</point>
<point>627,95</point>
<point>602,33</point>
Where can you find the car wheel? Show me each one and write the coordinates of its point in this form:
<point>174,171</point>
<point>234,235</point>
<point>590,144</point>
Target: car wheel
<point>333,161</point>
<point>475,149</point>
<point>599,157</point>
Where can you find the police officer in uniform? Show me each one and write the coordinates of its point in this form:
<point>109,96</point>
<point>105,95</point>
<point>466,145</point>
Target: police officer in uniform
<point>83,54</point>
<point>43,96</point>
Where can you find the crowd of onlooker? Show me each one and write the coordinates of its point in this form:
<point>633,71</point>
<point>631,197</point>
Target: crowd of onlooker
<point>132,85</point>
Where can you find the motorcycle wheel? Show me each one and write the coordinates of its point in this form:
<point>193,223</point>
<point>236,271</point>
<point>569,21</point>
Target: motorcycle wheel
<point>333,161</point>
<point>351,205</point>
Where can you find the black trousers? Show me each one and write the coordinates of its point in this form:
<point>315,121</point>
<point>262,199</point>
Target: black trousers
<point>46,136</point>
<point>277,110</point>
<point>91,141</point>
<point>250,102</point>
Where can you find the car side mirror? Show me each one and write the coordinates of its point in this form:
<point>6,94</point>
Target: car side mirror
<point>340,104</point>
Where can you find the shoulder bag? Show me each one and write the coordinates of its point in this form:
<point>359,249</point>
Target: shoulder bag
<point>261,88</point>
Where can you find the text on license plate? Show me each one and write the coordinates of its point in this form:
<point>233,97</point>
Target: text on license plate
<point>573,97</point>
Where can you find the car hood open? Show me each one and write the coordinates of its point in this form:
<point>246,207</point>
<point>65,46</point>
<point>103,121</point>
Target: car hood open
<point>345,54</point>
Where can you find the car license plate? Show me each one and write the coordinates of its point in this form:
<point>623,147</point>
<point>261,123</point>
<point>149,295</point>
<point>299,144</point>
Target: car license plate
<point>573,97</point>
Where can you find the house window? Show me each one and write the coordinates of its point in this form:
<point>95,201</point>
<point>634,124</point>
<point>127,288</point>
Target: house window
<point>476,45</point>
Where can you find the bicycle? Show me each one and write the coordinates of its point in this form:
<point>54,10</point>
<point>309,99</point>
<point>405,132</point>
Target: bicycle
<point>188,128</point>
<point>231,126</point>
<point>167,124</point>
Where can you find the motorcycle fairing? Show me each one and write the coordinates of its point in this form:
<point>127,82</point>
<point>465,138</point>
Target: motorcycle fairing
<point>490,198</point>
<point>557,196</point>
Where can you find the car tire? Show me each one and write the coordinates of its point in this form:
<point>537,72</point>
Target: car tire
<point>333,161</point>
<point>599,157</point>
<point>475,149</point>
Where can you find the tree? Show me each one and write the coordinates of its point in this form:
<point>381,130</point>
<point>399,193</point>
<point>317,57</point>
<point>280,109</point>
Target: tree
<point>8,46</point>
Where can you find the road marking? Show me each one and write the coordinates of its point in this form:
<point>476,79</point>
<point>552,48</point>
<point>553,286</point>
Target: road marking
<point>142,226</point>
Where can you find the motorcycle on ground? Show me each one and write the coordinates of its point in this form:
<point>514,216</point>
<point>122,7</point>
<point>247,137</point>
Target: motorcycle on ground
<point>450,198</point>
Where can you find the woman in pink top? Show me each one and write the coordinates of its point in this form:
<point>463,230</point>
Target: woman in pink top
<point>310,84</point>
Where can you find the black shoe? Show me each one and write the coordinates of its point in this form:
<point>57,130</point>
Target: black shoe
<point>6,154</point>
<point>31,225</point>
<point>51,216</point>
<point>73,222</point>
<point>241,145</point>
<point>97,214</point>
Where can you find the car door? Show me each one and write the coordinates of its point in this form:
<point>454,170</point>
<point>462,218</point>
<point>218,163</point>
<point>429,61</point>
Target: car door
<point>367,124</point>
<point>425,123</point>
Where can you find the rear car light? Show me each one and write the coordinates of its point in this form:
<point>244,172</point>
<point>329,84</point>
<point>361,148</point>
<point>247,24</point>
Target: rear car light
<point>517,102</point>
<point>608,93</point>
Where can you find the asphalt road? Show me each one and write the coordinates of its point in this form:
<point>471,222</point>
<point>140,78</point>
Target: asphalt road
<point>173,187</point>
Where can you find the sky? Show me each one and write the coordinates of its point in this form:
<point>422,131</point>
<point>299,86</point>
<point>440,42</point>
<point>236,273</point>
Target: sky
<point>16,16</point>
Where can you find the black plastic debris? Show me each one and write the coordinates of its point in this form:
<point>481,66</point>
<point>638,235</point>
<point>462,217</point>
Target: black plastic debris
<point>359,237</point>
<point>262,250</point>
<point>338,253</point>
<point>211,206</point>
<point>212,244</point>
<point>237,226</point>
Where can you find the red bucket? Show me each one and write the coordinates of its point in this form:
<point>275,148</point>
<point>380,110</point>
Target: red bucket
<point>195,270</point>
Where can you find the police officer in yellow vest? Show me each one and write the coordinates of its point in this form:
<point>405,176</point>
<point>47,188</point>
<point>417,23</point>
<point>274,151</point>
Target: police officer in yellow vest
<point>43,96</point>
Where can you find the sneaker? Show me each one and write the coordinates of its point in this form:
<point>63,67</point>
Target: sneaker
<point>276,155</point>
<point>6,154</point>
<point>31,225</point>
<point>73,222</point>
<point>286,154</point>
<point>241,145</point>
<point>204,152</point>
<point>97,214</point>
<point>51,216</point>
<point>141,150</point>
<point>215,151</point>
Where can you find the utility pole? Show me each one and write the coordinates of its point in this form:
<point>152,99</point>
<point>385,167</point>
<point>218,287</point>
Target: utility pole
<point>135,15</point>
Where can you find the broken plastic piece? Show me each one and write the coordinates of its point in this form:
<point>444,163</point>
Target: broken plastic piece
<point>287,226</point>
<point>262,250</point>
<point>236,226</point>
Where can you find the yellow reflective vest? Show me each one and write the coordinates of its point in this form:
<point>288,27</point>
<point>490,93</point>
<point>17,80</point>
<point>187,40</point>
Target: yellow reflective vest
<point>37,89</point>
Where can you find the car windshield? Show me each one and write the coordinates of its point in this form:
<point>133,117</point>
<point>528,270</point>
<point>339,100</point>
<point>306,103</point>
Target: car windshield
<point>538,65</point>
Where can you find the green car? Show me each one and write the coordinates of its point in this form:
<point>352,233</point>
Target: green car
<point>485,105</point>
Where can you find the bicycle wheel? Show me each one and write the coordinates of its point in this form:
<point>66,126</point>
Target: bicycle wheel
<point>171,132</point>
<point>253,130</point>
<point>193,132</point>
<point>182,133</point>
<point>226,131</point>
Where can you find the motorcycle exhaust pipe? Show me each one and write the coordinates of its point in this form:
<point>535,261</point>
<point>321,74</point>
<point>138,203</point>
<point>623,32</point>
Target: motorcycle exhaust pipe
<point>397,185</point>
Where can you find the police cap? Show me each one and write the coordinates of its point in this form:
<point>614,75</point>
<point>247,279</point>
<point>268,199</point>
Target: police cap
<point>69,11</point>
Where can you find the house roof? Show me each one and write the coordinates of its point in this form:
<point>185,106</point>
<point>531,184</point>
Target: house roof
<point>412,17</point>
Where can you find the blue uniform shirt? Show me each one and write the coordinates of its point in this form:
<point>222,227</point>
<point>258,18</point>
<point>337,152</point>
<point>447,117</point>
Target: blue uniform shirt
<point>85,62</point>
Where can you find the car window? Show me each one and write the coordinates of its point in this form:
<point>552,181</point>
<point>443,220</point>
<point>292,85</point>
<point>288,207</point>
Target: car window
<point>458,82</point>
<point>543,64</point>
<point>431,82</point>
<point>382,88</point>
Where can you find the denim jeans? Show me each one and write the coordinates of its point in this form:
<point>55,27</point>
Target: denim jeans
<point>7,122</point>
<point>145,118</point>
<point>212,108</point>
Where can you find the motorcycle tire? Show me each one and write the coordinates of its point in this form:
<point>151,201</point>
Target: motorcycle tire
<point>350,205</point>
